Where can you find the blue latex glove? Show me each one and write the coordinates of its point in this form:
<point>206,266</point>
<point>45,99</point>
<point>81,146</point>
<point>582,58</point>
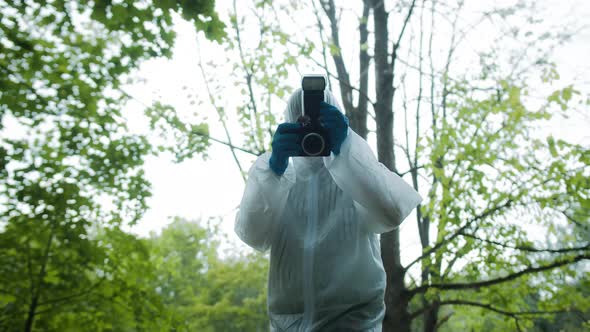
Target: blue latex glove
<point>284,145</point>
<point>336,123</point>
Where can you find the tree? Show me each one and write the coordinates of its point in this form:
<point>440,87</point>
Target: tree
<point>465,137</point>
<point>535,311</point>
<point>203,291</point>
<point>119,293</point>
<point>68,163</point>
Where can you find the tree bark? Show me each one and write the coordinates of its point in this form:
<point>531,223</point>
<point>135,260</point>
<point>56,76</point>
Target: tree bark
<point>357,115</point>
<point>359,118</point>
<point>396,300</point>
<point>384,87</point>
<point>397,317</point>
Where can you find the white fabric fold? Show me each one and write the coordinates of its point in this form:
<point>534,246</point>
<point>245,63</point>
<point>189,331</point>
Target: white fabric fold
<point>383,198</point>
<point>263,200</point>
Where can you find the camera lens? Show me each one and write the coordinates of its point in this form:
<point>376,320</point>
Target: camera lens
<point>313,144</point>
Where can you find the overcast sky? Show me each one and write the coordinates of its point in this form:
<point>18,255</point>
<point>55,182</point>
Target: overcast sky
<point>213,188</point>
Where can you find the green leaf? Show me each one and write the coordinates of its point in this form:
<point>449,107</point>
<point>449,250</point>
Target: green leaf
<point>552,149</point>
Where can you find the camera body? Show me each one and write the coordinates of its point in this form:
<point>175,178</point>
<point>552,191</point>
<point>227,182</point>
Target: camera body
<point>314,137</point>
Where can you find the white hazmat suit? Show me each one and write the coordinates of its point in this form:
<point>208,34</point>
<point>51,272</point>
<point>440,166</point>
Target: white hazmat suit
<point>321,220</point>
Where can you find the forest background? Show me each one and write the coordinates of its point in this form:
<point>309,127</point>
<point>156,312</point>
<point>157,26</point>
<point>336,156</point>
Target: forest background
<point>128,127</point>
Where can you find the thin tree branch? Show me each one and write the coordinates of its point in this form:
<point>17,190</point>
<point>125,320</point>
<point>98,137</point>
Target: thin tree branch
<point>71,296</point>
<point>406,129</point>
<point>321,31</point>
<point>227,144</point>
<point>410,170</point>
<point>432,97</point>
<point>249,75</point>
<point>510,277</point>
<point>518,328</point>
<point>488,307</point>
<point>420,89</point>
<point>220,114</point>
<point>425,220</point>
<point>262,29</point>
<point>420,220</point>
<point>572,219</point>
<point>401,35</point>
<point>444,320</point>
<point>30,268</point>
<point>458,254</point>
<point>347,84</point>
<point>445,90</point>
<point>330,9</point>
<point>335,76</point>
<point>527,248</point>
<point>459,163</point>
<point>33,306</point>
<point>481,216</point>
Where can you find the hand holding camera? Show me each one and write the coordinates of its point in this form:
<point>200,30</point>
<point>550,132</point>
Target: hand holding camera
<point>285,143</point>
<point>320,130</point>
<point>336,125</point>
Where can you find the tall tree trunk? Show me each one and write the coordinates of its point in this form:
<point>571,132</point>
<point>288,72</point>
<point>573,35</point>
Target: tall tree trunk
<point>357,115</point>
<point>384,88</point>
<point>396,299</point>
<point>397,318</point>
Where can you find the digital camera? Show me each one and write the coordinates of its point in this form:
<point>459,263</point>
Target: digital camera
<point>314,137</point>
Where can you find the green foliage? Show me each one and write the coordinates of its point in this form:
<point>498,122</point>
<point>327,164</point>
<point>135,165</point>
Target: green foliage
<point>92,281</point>
<point>334,50</point>
<point>71,174</point>
<point>495,181</point>
<point>261,72</point>
<point>202,291</point>
<point>479,319</point>
<point>490,179</point>
<point>172,281</point>
<point>187,139</point>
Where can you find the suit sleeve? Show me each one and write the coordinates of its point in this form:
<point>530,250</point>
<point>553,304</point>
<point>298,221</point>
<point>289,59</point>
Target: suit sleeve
<point>382,199</point>
<point>264,199</point>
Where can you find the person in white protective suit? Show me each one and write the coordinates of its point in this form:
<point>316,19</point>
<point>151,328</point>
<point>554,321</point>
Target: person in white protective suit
<point>321,218</point>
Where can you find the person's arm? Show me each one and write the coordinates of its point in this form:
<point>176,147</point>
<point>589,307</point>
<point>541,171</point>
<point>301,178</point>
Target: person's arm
<point>382,198</point>
<point>264,198</point>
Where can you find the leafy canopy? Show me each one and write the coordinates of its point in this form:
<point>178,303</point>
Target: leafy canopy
<point>70,172</point>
